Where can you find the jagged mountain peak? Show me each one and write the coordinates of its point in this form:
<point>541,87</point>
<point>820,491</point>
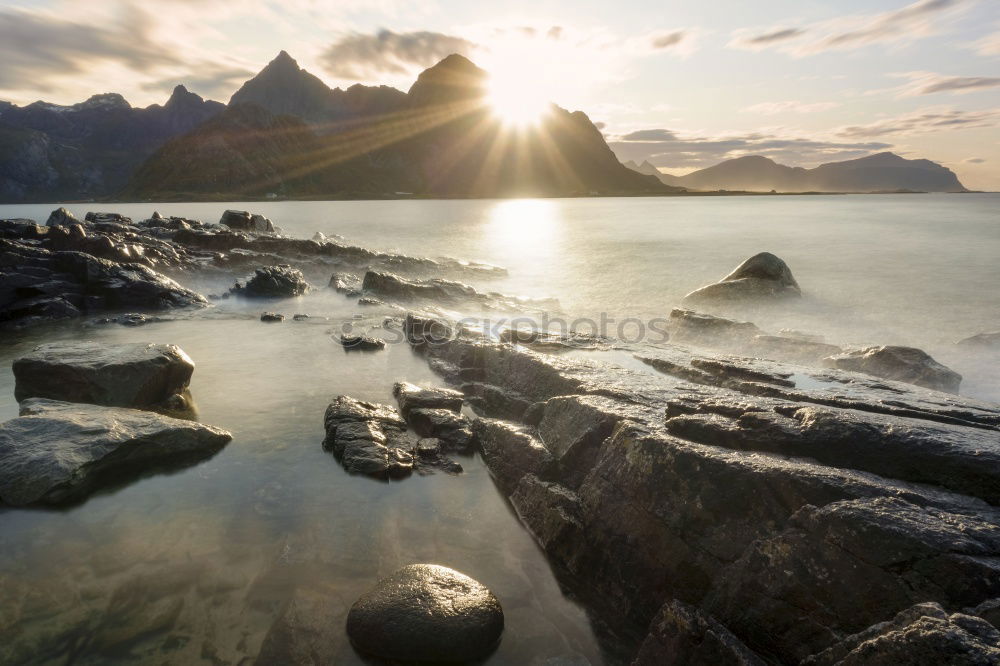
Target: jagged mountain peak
<point>453,79</point>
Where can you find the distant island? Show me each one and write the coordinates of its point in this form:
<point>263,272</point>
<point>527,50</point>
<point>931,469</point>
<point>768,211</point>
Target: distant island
<point>883,172</point>
<point>286,134</point>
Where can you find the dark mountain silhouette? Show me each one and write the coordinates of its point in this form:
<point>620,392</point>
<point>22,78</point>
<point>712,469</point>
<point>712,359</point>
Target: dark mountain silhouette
<point>248,151</point>
<point>283,88</point>
<point>441,139</point>
<point>875,173</point>
<point>90,149</point>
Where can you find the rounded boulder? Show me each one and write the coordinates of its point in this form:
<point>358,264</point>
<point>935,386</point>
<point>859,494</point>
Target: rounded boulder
<point>426,612</point>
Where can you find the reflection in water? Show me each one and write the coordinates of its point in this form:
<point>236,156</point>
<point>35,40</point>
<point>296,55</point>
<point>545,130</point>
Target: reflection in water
<point>529,228</point>
<point>197,565</point>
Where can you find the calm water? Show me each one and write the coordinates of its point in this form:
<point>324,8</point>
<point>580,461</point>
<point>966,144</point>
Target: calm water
<point>196,565</point>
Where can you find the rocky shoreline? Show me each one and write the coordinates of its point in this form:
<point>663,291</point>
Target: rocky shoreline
<point>730,496</point>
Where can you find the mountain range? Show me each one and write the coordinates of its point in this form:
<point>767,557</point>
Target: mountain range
<point>286,133</point>
<point>91,149</point>
<point>881,172</point>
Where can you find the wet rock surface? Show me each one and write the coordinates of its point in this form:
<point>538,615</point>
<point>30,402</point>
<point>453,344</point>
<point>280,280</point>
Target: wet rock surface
<point>361,342</point>
<point>762,277</point>
<point>372,439</point>
<point>118,375</point>
<point>274,282</point>
<point>904,364</point>
<point>426,613</point>
<point>446,292</point>
<point>246,221</point>
<point>739,510</point>
<point>60,451</point>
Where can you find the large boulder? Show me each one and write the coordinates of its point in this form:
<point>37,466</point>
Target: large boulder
<point>274,282</point>
<point>246,221</point>
<point>60,451</point>
<point>426,613</point>
<point>118,375</point>
<point>762,277</point>
<point>903,364</point>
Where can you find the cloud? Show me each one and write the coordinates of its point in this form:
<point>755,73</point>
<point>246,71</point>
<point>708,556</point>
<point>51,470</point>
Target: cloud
<point>209,80</point>
<point>905,25</point>
<point>974,160</point>
<point>924,121</point>
<point>666,148</point>
<point>650,135</point>
<point>37,48</point>
<point>682,42</point>
<point>988,45</point>
<point>365,56</point>
<point>790,106</point>
<point>741,39</point>
<point>929,83</point>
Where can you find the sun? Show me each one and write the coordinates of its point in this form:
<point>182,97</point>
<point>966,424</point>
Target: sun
<point>517,98</point>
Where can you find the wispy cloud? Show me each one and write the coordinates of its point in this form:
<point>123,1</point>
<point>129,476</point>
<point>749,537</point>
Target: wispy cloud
<point>974,160</point>
<point>365,56</point>
<point>668,149</point>
<point>680,42</point>
<point>924,121</point>
<point>988,45</point>
<point>929,83</point>
<point>791,106</point>
<point>37,48</point>
<point>904,25</point>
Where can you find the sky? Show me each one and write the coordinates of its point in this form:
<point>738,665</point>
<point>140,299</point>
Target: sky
<point>684,84</point>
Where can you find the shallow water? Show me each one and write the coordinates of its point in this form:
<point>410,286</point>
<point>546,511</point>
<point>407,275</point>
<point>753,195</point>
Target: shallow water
<point>218,548</point>
<point>196,565</point>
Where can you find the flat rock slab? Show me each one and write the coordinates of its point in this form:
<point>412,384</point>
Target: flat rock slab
<point>410,396</point>
<point>426,612</point>
<point>60,451</point>
<point>116,375</point>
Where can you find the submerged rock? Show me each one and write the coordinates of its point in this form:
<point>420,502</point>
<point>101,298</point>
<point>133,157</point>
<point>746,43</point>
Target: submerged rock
<point>118,375</point>
<point>427,613</point>
<point>762,277</point>
<point>60,451</point>
<point>903,364</point>
<point>274,282</point>
<point>130,319</point>
<point>361,342</point>
<point>981,341</point>
<point>389,286</point>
